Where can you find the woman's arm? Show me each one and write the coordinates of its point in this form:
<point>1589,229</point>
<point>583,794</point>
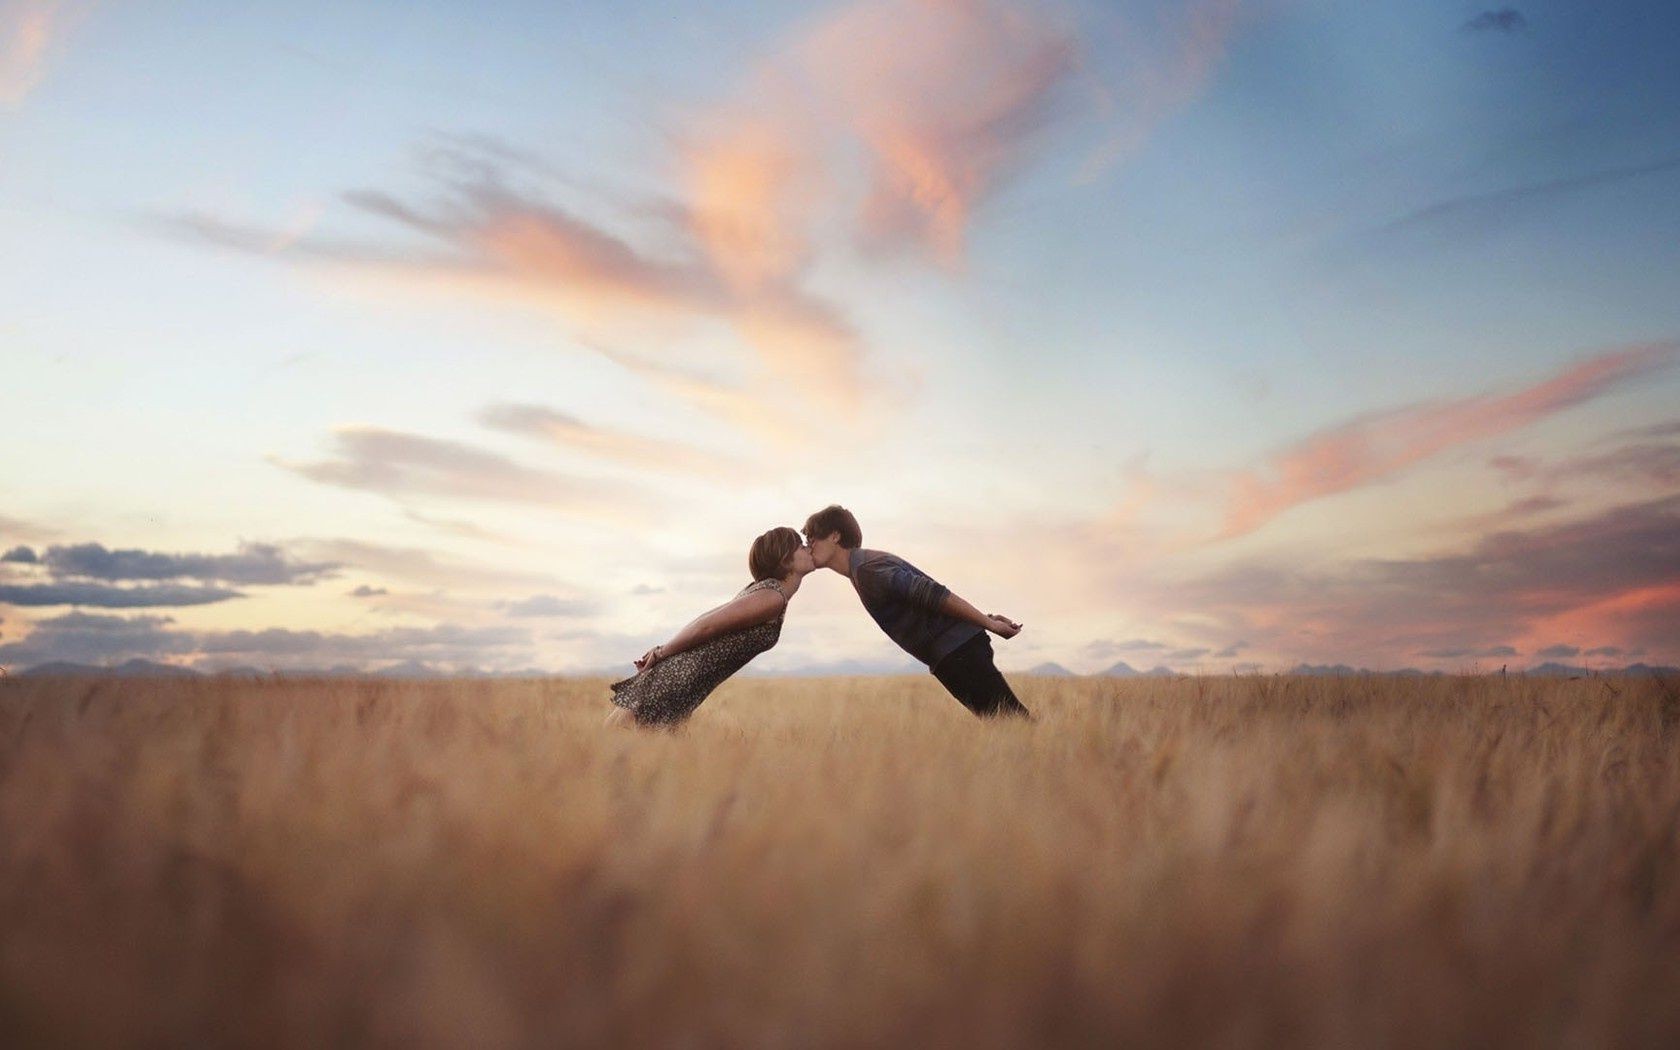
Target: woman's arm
<point>745,611</point>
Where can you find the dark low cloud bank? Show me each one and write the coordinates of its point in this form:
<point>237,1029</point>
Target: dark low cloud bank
<point>97,638</point>
<point>108,597</point>
<point>126,578</point>
<point>1470,653</point>
<point>255,563</point>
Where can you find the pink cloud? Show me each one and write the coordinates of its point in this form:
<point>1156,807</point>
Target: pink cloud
<point>1609,578</point>
<point>882,125</point>
<point>28,30</point>
<point>931,102</point>
<point>1378,446</point>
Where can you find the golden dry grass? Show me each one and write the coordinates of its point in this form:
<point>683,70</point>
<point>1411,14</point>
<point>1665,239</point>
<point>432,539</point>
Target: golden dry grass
<point>1223,861</point>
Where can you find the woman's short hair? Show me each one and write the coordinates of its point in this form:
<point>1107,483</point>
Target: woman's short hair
<point>770,552</point>
<point>835,518</point>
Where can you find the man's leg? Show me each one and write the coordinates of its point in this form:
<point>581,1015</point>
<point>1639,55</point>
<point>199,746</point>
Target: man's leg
<point>970,675</point>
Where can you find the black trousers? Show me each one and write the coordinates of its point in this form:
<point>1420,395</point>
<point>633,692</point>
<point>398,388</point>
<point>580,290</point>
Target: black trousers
<point>970,675</point>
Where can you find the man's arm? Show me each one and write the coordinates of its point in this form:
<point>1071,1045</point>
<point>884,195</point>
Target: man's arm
<point>1002,626</point>
<point>896,579</point>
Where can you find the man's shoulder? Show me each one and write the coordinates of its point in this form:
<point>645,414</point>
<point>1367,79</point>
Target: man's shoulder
<point>868,557</point>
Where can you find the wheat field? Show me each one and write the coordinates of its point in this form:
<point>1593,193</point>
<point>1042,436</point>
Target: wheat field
<point>1363,861</point>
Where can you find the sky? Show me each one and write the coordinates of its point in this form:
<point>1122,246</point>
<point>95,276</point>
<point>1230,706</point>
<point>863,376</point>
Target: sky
<point>1213,335</point>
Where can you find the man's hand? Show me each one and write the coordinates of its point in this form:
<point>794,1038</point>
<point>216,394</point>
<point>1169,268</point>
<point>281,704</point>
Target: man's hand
<point>1002,626</point>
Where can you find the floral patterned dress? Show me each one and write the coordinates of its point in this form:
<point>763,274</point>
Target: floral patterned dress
<point>669,691</point>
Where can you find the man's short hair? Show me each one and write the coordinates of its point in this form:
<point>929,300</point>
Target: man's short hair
<point>835,518</point>
<point>768,558</point>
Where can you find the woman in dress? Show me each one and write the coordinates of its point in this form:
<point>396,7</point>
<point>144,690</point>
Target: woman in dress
<point>671,679</point>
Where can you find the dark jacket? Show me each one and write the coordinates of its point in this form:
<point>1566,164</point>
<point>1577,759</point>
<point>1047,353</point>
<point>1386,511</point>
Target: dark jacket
<point>905,602</point>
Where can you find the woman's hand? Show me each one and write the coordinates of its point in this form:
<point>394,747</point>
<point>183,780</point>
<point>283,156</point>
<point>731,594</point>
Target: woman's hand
<point>649,658</point>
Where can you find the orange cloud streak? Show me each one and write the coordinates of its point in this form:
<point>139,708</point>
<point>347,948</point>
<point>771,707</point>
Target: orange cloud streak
<point>27,30</point>
<point>1615,619</point>
<point>1374,447</point>
<point>522,251</point>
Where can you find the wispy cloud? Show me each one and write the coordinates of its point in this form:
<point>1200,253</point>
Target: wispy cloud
<point>1370,448</point>
<point>451,643</point>
<point>397,463</point>
<point>548,605</point>
<point>17,529</point>
<point>417,565</point>
<point>459,527</point>
<point>567,431</point>
<point>1107,649</point>
<point>1652,463</point>
<point>1476,204</point>
<point>494,242</point>
<point>1164,65</point>
<point>1656,430</point>
<point>881,126</point>
<point>1500,20</point>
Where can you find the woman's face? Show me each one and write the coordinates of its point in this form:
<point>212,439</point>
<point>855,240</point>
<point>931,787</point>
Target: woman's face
<point>801,561</point>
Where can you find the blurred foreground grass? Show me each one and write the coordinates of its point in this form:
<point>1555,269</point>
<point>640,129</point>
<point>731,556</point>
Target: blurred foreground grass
<point>1226,861</point>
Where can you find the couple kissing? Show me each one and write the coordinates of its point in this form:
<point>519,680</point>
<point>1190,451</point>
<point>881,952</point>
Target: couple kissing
<point>920,614</point>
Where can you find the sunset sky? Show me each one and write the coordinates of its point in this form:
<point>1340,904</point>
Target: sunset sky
<point>1212,335</point>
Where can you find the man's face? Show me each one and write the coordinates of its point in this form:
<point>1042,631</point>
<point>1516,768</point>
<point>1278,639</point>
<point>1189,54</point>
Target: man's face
<point>822,547</point>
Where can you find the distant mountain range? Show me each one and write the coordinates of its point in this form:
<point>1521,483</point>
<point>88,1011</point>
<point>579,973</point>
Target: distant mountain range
<point>1052,670</point>
<point>1123,669</point>
<point>138,668</point>
<point>135,668</point>
<point>1629,669</point>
